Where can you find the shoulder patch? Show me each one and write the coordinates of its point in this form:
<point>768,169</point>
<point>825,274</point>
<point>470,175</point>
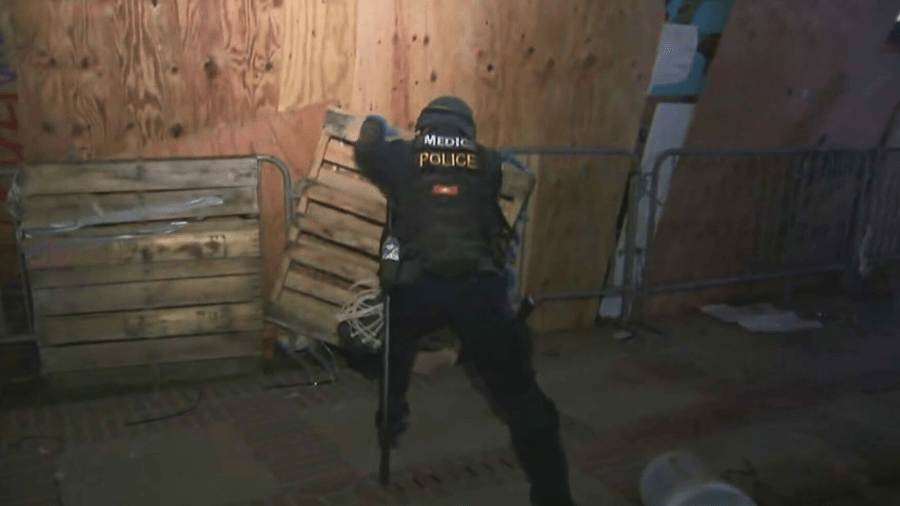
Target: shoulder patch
<point>445,189</point>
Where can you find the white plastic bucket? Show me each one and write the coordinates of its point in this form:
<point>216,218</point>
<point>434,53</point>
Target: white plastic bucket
<point>680,479</point>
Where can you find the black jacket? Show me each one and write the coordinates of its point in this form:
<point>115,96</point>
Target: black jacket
<point>445,218</point>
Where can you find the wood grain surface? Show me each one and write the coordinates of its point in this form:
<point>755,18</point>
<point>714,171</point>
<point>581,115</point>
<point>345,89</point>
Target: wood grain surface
<point>104,76</point>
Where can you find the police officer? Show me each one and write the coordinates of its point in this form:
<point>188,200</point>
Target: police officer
<point>442,188</point>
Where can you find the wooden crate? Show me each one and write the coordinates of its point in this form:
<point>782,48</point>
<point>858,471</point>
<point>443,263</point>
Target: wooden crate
<point>334,241</point>
<point>171,283</point>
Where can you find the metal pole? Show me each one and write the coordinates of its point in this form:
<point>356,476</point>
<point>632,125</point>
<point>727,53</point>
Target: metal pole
<point>744,279</point>
<point>384,439</point>
<point>561,150</point>
<point>288,188</point>
<point>640,297</point>
<point>384,432</point>
<point>629,281</point>
<point>855,235</point>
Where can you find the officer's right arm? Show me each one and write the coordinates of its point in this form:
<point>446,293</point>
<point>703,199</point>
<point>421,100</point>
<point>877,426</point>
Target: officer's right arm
<point>373,153</point>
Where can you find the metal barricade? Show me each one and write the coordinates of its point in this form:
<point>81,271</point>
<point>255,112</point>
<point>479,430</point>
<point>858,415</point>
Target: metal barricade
<point>742,216</point>
<point>879,238</point>
<point>610,160</point>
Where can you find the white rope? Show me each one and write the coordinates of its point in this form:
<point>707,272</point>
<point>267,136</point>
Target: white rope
<point>367,305</point>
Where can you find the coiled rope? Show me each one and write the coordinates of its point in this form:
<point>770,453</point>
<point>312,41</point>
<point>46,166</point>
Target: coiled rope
<point>365,314</point>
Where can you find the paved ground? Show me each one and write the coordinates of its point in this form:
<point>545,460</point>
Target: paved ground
<point>808,418</point>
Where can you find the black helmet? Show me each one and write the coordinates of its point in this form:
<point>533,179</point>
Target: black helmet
<point>448,111</point>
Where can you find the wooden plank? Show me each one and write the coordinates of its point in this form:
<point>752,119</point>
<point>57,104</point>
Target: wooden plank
<point>339,152</point>
<point>182,321</point>
<point>516,183</point>
<point>278,286</point>
<point>320,43</point>
<point>144,175</point>
<point>313,173</point>
<point>342,228</point>
<point>350,183</point>
<point>106,274</point>
<point>568,199</point>
<point>307,313</point>
<point>332,259</point>
<point>42,211</point>
<point>352,195</point>
<point>208,239</point>
<point>345,126</point>
<point>318,156</point>
<point>57,359</point>
<point>306,284</point>
<point>510,210</point>
<point>145,295</point>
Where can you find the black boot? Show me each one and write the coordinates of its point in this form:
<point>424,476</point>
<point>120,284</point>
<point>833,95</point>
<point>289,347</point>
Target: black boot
<point>544,462</point>
<point>534,427</point>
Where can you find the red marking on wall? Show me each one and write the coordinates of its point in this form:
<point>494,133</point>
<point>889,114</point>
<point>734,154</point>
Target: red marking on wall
<point>11,151</point>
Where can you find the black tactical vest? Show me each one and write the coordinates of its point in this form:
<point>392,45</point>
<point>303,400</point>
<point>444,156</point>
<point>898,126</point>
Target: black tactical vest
<point>446,217</point>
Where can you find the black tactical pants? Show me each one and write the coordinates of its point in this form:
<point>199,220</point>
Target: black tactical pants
<point>477,309</point>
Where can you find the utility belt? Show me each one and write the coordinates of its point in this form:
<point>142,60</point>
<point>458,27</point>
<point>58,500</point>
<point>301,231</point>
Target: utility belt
<point>399,267</point>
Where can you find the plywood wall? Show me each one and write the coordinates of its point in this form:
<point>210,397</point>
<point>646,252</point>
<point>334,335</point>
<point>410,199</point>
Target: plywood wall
<point>99,77</point>
<point>534,71</point>
<point>102,77</point>
<point>800,73</point>
<point>290,135</point>
<point>786,74</point>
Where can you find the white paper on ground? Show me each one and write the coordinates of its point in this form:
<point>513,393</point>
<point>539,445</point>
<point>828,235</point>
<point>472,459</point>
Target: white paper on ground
<point>677,45</point>
<point>760,318</point>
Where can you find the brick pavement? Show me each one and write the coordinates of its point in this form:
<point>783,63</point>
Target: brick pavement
<point>311,473</point>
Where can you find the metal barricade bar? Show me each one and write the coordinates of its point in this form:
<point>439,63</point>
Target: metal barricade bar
<point>793,212</point>
<point>879,239</point>
<point>288,188</point>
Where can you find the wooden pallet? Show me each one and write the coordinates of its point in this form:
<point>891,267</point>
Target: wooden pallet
<point>170,285</point>
<point>335,239</point>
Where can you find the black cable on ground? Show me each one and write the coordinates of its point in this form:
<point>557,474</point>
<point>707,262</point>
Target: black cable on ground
<point>170,416</point>
<point>306,384</point>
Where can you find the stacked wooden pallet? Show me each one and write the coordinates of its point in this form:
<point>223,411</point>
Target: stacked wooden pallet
<point>142,262</point>
<point>335,239</point>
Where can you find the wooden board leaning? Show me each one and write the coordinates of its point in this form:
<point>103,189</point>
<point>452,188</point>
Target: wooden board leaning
<point>137,263</point>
